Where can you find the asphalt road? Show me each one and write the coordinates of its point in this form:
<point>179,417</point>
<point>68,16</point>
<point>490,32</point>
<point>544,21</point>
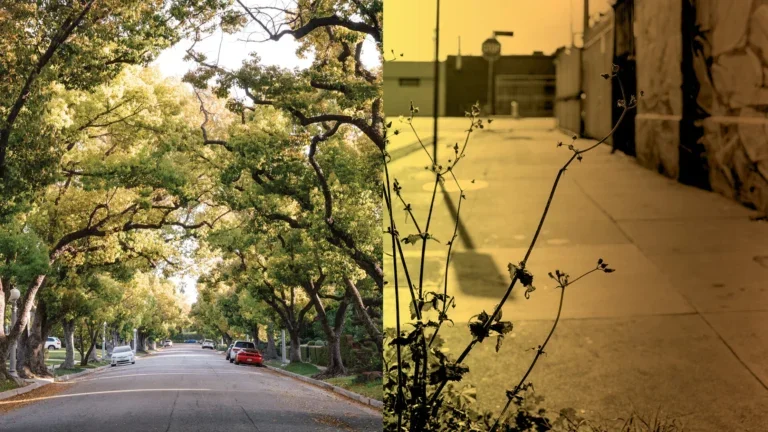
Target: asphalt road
<point>186,388</point>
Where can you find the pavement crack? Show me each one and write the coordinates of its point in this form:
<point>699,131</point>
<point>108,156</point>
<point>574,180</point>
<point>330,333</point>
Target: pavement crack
<point>173,408</point>
<point>249,418</point>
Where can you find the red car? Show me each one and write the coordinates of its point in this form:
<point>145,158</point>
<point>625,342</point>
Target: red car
<point>249,356</point>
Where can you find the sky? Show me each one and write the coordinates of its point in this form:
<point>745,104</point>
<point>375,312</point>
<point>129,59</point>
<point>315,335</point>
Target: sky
<point>539,25</point>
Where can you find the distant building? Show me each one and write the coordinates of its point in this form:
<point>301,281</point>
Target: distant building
<point>412,81</point>
<point>527,79</point>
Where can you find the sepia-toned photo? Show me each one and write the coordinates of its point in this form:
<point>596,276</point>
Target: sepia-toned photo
<point>576,235</point>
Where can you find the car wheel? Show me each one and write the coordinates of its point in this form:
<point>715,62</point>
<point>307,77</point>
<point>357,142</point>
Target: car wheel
<point>133,362</point>
<point>237,362</point>
<point>51,347</point>
<point>231,360</point>
<point>113,365</point>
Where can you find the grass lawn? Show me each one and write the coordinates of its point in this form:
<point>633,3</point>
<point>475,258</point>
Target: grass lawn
<point>370,389</point>
<point>7,385</point>
<point>57,356</point>
<point>78,368</point>
<point>306,369</point>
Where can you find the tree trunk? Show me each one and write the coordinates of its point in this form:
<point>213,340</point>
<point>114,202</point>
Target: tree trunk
<point>91,353</point>
<point>332,334</point>
<point>31,354</point>
<point>4,373</point>
<point>295,350</point>
<point>227,338</point>
<point>14,332</point>
<point>256,335</point>
<point>69,340</point>
<point>370,326</point>
<point>271,350</point>
<point>335,362</point>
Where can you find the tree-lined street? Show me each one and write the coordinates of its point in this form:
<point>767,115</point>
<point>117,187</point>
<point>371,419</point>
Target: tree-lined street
<point>186,388</point>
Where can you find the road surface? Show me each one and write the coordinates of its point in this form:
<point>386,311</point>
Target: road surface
<point>186,388</point>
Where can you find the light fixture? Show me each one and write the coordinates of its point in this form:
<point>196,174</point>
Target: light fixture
<point>15,294</point>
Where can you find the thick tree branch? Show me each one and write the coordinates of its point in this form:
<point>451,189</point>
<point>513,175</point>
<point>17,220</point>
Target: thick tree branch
<point>65,30</point>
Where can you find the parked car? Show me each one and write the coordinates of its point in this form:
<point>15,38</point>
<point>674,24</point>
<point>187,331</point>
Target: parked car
<point>237,346</point>
<point>207,343</point>
<point>249,356</point>
<point>190,341</point>
<point>166,343</point>
<point>122,355</point>
<point>229,348</point>
<point>53,343</point>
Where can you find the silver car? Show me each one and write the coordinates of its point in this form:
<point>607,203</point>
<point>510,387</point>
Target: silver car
<point>122,355</point>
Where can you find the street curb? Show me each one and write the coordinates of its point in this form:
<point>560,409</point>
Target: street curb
<point>326,386</point>
<point>70,377</point>
<point>19,391</point>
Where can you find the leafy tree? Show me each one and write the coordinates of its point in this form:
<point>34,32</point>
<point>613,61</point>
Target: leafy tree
<point>79,45</point>
<point>336,95</point>
<point>126,183</point>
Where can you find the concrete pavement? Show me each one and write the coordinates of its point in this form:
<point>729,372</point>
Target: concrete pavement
<point>680,325</point>
<point>185,388</point>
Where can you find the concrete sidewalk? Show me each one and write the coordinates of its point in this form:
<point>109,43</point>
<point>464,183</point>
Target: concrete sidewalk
<point>680,325</point>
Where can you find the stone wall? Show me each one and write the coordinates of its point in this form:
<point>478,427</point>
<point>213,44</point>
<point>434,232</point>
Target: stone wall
<point>658,44</point>
<point>598,58</point>
<point>731,66</point>
<point>568,89</point>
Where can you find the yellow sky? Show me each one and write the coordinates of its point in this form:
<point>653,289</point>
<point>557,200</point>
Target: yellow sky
<point>539,25</point>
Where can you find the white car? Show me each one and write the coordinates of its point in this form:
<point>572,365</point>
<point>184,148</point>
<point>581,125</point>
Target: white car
<point>209,344</point>
<point>53,343</point>
<point>238,346</point>
<point>122,355</point>
<point>167,343</point>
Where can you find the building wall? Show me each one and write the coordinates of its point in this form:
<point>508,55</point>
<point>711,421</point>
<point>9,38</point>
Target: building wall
<point>731,70</point>
<point>412,81</point>
<point>530,76</point>
<point>598,58</point>
<point>658,45</point>
<point>568,89</point>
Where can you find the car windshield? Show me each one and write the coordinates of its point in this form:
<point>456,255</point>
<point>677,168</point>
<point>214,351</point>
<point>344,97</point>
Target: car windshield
<point>245,345</point>
<point>122,349</point>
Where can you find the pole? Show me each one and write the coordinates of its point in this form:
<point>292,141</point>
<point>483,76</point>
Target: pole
<point>104,344</point>
<point>12,370</point>
<point>491,109</point>
<point>586,22</point>
<point>436,99</point>
<point>135,341</point>
<point>285,361</point>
